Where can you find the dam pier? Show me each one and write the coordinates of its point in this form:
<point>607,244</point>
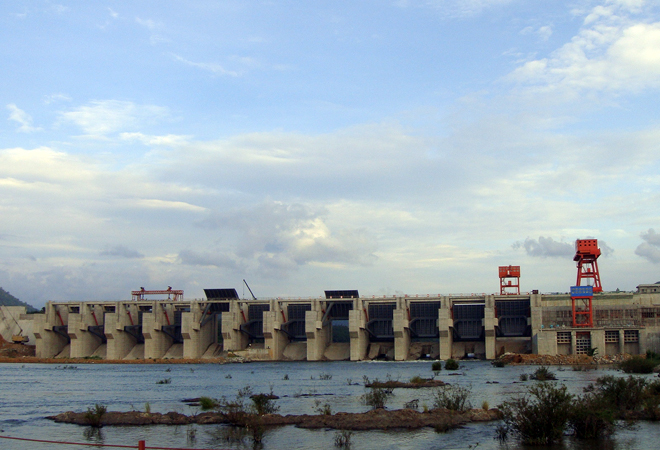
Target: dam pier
<point>342,325</point>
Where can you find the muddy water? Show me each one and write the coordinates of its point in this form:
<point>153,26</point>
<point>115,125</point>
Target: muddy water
<point>29,393</point>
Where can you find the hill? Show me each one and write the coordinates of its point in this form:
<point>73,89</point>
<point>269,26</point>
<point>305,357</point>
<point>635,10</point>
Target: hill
<point>6,299</point>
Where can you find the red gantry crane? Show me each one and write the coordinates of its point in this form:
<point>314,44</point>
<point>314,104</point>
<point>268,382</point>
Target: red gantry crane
<point>588,282</point>
<point>510,280</point>
<point>172,294</point>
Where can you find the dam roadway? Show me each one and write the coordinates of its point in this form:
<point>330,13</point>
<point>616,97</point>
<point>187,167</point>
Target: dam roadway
<point>314,329</point>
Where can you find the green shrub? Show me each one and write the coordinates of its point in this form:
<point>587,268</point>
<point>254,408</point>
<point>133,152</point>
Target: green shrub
<point>94,416</point>
<point>621,394</point>
<point>543,374</point>
<point>637,364</point>
<point>322,409</point>
<point>591,417</point>
<point>164,381</point>
<point>539,417</point>
<point>343,438</point>
<point>377,397</point>
<point>436,366</point>
<point>208,403</point>
<point>523,377</point>
<point>499,363</point>
<point>453,397</point>
<point>263,404</point>
<point>451,364</point>
<point>417,380</point>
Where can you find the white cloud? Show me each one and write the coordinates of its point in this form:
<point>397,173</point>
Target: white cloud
<point>166,140</point>
<point>103,117</point>
<point>650,248</point>
<point>155,27</point>
<point>209,67</point>
<point>454,8</point>
<point>614,51</point>
<point>24,119</point>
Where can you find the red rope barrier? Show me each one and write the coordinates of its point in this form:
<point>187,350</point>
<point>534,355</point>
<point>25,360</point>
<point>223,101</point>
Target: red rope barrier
<point>139,447</point>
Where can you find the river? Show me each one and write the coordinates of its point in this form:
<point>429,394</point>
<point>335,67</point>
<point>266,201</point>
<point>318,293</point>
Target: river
<point>30,392</point>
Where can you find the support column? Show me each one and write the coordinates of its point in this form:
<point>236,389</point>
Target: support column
<point>49,343</point>
<point>490,321</point>
<point>401,327</point>
<point>156,343</point>
<point>622,342</point>
<point>445,326</point>
<point>198,331</point>
<point>573,343</point>
<point>84,343</point>
<point>275,340</point>
<point>120,343</point>
<point>357,329</point>
<point>232,337</point>
<point>318,335</point>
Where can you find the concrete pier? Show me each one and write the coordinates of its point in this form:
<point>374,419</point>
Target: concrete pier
<point>391,327</point>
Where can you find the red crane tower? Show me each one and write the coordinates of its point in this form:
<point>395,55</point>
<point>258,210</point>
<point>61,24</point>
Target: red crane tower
<point>586,254</point>
<point>510,279</point>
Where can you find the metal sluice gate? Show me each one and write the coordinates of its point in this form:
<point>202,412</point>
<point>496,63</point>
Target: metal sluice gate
<point>254,326</point>
<point>294,327</point>
<point>424,320</point>
<point>513,317</point>
<point>468,321</point>
<point>379,325</point>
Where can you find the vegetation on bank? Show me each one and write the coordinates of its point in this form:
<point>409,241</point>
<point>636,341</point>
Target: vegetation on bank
<point>641,364</point>
<point>546,412</point>
<point>6,299</point>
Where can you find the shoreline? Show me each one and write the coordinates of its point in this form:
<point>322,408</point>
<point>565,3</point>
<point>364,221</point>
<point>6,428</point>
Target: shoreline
<point>377,419</point>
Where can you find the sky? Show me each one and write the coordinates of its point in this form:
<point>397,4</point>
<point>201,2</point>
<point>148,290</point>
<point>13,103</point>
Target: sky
<point>390,146</point>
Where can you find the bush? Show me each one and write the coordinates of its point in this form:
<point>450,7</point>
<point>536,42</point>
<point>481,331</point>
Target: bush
<point>543,374</point>
<point>637,364</point>
<point>592,417</point>
<point>621,394</point>
<point>377,397</point>
<point>343,438</point>
<point>499,363</point>
<point>452,397</point>
<point>207,403</point>
<point>417,380</point>
<point>451,364</point>
<point>322,409</point>
<point>436,366</point>
<point>263,404</point>
<point>94,416</point>
<point>539,417</point>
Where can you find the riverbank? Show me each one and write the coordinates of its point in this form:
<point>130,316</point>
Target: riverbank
<point>378,419</point>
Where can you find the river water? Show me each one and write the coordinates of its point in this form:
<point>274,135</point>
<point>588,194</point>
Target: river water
<point>29,393</point>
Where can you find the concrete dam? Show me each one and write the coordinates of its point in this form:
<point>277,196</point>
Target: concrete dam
<point>314,329</point>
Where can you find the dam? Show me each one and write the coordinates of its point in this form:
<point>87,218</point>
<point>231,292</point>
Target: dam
<point>342,325</point>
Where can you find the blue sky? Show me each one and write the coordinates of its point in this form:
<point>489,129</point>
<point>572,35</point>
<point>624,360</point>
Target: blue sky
<point>389,146</point>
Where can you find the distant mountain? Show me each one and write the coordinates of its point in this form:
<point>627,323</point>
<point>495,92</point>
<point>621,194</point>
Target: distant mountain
<point>6,299</point>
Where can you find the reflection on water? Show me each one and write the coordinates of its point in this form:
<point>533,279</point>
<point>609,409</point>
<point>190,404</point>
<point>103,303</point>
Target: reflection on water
<point>29,393</point>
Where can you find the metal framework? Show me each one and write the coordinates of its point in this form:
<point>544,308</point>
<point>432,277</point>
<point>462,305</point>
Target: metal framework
<point>510,280</point>
<point>582,300</point>
<point>172,294</point>
<point>586,256</point>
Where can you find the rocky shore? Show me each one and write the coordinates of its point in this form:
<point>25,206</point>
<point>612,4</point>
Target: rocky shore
<point>378,419</point>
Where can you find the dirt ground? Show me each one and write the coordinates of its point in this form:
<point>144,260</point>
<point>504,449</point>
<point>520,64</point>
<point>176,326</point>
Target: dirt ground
<point>13,351</point>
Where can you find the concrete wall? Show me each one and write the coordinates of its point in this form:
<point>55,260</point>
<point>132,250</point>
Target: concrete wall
<point>640,314</point>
